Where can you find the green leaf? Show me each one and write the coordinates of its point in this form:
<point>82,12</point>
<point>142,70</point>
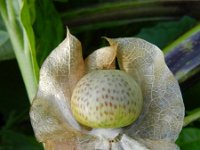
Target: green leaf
<point>166,32</point>
<point>6,50</point>
<point>27,21</point>
<point>192,116</point>
<point>189,139</point>
<point>27,18</point>
<point>13,140</point>
<point>48,28</point>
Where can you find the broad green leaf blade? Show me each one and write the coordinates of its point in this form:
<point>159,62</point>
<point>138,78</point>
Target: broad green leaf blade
<point>27,18</point>
<point>27,21</point>
<point>165,33</point>
<point>189,139</point>
<point>183,56</point>
<point>6,50</point>
<point>48,29</point>
<point>163,111</point>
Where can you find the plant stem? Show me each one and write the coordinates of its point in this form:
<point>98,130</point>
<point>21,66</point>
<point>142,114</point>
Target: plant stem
<point>190,118</point>
<point>191,32</point>
<point>27,64</point>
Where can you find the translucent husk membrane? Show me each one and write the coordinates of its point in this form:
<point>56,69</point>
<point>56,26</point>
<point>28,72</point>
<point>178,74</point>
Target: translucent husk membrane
<point>162,115</point>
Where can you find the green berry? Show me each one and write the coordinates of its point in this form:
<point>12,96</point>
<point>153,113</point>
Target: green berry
<point>106,99</point>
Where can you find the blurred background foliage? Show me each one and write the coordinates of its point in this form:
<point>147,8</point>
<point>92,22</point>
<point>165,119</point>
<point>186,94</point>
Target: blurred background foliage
<point>173,25</point>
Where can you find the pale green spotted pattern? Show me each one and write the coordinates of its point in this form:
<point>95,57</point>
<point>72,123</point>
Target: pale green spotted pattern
<point>106,99</point>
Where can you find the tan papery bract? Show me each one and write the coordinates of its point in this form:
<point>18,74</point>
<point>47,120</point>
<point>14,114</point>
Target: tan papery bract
<point>158,144</point>
<point>159,123</point>
<point>50,113</point>
<point>103,58</point>
<point>163,112</point>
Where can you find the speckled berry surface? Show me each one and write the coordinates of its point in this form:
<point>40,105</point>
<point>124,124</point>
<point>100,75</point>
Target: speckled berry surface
<point>106,99</point>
